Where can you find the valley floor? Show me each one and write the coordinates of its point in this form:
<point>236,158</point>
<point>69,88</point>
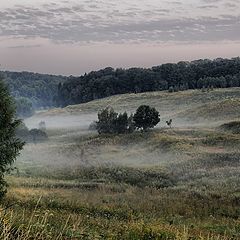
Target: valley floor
<point>180,183</point>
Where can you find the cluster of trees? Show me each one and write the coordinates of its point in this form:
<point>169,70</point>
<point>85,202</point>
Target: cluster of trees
<point>34,135</point>
<point>39,89</point>
<point>181,76</point>
<point>111,122</point>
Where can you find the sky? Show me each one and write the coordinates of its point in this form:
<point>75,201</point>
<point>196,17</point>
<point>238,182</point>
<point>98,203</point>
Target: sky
<point>77,36</point>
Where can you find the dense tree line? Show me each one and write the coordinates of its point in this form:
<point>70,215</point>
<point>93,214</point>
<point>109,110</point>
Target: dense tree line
<point>39,89</point>
<point>180,76</point>
<point>45,91</point>
<point>24,107</point>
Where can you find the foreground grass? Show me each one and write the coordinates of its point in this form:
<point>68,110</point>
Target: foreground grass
<point>135,214</point>
<point>110,204</point>
<point>180,183</point>
<point>42,225</point>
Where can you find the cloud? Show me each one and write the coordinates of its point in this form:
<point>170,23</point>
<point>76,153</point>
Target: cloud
<point>104,21</point>
<point>25,46</point>
<point>211,1</point>
<point>208,6</point>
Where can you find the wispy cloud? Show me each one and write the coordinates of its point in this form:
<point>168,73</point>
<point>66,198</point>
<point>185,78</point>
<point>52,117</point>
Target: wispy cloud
<point>104,21</point>
<point>24,46</point>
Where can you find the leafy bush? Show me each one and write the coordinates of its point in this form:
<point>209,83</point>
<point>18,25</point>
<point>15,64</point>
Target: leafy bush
<point>171,89</point>
<point>37,135</point>
<point>233,127</point>
<point>33,135</point>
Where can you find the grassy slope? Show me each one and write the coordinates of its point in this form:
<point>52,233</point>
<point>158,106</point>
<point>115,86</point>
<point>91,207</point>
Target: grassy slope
<point>188,105</point>
<point>135,186</point>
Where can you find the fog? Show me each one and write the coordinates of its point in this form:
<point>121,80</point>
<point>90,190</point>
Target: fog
<point>61,122</point>
<point>71,145</point>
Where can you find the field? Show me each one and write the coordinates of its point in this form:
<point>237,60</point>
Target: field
<point>178,183</point>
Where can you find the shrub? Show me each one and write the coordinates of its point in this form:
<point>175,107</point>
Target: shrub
<point>233,127</point>
<point>171,89</point>
<point>37,135</point>
<point>34,135</point>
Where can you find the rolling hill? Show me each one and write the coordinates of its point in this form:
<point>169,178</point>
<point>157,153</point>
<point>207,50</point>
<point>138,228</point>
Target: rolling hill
<point>192,106</point>
<point>179,183</point>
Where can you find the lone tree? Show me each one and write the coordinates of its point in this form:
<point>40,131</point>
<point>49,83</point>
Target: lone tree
<point>146,117</point>
<point>10,145</point>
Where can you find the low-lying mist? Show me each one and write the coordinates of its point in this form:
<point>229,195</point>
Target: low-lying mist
<point>188,147</point>
<point>61,122</point>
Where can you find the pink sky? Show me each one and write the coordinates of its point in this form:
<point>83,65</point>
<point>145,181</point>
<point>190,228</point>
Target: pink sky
<point>73,37</point>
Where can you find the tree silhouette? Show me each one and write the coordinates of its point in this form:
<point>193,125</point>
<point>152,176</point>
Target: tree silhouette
<point>10,145</point>
<point>146,117</point>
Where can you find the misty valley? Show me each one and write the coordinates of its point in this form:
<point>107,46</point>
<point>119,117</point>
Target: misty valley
<point>178,181</point>
<point>119,120</point>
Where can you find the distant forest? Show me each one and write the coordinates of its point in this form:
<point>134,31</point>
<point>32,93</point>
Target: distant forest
<point>44,91</point>
<point>219,73</point>
<point>33,88</point>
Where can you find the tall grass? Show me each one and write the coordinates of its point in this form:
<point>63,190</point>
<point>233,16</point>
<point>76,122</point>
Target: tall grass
<point>39,226</point>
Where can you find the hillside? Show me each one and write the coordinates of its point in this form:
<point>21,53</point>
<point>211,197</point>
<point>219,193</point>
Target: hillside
<point>196,116</point>
<point>40,89</point>
<point>46,91</point>
<point>178,183</point>
<point>200,74</point>
<point>185,107</point>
